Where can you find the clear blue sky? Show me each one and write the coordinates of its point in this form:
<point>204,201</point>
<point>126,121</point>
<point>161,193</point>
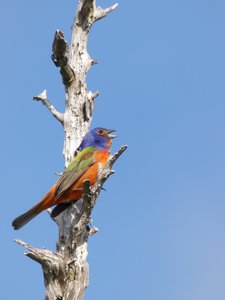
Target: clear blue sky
<point>161,76</point>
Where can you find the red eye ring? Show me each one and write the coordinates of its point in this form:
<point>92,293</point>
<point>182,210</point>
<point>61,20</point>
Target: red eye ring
<point>100,132</point>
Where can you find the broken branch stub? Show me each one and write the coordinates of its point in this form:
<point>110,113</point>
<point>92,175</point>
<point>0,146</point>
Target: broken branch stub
<point>60,57</point>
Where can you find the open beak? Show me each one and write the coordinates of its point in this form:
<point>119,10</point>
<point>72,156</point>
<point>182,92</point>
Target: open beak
<point>109,134</point>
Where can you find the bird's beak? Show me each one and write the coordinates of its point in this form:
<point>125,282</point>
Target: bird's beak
<point>109,135</point>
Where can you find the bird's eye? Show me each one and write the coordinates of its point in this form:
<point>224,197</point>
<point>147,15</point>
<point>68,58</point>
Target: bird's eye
<point>100,132</point>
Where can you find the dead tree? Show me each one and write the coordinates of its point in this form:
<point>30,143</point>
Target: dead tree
<point>66,271</point>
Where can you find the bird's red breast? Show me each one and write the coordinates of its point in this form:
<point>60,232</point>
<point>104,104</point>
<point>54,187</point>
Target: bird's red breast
<point>76,190</point>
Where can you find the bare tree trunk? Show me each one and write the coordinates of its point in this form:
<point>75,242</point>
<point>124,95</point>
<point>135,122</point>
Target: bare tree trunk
<point>66,271</point>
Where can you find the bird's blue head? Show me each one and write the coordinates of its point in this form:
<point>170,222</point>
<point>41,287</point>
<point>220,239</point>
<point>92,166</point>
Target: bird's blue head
<point>98,137</point>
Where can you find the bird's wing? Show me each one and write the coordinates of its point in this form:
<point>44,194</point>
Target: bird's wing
<point>75,170</point>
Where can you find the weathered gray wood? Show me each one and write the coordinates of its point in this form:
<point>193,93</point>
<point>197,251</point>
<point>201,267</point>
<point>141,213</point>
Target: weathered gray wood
<point>66,272</point>
<point>44,100</point>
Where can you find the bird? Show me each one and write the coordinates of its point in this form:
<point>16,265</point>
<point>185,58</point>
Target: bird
<point>93,151</point>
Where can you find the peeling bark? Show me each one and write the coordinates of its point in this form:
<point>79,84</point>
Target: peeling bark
<point>66,271</point>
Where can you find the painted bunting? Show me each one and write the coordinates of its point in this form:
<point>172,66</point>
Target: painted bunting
<point>93,150</point>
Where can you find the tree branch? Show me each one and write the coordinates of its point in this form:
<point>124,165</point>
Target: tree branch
<point>53,268</point>
<point>44,257</point>
<point>90,197</point>
<point>91,96</point>
<point>44,99</point>
<point>107,171</point>
<point>92,231</point>
<point>101,13</point>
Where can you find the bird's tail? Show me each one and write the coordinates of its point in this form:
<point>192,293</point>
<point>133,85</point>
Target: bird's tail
<point>44,203</point>
<point>25,218</point>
